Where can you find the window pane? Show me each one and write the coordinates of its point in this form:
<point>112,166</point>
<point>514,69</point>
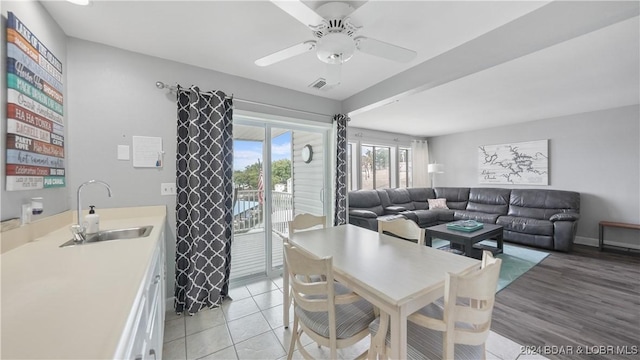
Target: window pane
<point>366,164</point>
<point>402,168</point>
<point>382,171</point>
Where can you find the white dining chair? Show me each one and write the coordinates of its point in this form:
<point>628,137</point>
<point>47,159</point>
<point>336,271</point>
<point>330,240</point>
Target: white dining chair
<point>403,228</point>
<point>300,222</point>
<point>326,311</point>
<point>454,327</point>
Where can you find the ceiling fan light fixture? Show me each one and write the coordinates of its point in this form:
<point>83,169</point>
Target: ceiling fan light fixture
<point>335,48</point>
<point>79,2</point>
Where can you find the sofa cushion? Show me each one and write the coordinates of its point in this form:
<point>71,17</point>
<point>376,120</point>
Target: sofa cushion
<point>565,216</point>
<point>419,196</point>
<point>363,213</point>
<point>457,198</point>
<point>437,204</point>
<point>475,215</point>
<point>390,217</point>
<point>526,225</point>
<point>367,223</point>
<point>366,200</point>
<point>542,204</point>
<point>384,198</point>
<point>400,197</point>
<point>543,241</point>
<point>423,218</point>
<point>394,209</point>
<point>489,200</point>
<point>444,215</point>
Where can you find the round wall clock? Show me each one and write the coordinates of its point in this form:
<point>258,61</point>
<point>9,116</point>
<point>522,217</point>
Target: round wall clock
<point>307,153</point>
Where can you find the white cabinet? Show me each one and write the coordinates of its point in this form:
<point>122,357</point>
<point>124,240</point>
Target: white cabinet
<point>142,339</point>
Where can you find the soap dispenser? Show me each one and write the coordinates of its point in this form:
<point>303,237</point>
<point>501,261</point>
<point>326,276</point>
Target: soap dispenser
<point>92,221</point>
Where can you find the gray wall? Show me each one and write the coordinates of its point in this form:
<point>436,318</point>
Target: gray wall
<point>42,25</point>
<point>596,154</point>
<point>112,97</point>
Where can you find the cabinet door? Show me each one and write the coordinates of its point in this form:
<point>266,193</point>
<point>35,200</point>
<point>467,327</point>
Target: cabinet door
<point>139,340</point>
<point>155,325</point>
<point>156,330</point>
<point>145,338</point>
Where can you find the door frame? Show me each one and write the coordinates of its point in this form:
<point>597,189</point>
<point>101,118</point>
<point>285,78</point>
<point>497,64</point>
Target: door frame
<point>267,122</point>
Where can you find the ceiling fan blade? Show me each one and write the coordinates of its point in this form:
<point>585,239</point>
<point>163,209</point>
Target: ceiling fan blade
<point>384,50</point>
<point>286,53</point>
<point>300,12</point>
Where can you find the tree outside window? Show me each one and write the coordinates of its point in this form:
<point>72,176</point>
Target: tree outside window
<point>375,167</point>
<point>366,167</point>
<point>404,168</point>
<point>382,160</point>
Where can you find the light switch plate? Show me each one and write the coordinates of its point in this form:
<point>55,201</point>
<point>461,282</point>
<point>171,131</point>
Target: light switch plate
<point>168,189</point>
<point>123,152</point>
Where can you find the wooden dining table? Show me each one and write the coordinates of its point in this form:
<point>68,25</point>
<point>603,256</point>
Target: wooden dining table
<point>397,276</point>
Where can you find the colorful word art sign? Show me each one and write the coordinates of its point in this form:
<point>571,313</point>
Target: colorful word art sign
<point>35,118</point>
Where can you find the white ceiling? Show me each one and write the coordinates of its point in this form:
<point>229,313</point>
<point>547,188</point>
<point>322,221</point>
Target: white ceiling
<point>588,72</point>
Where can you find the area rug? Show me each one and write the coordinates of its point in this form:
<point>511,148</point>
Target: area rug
<point>515,260</point>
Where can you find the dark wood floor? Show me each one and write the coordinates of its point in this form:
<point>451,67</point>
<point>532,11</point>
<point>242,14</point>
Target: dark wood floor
<point>584,298</point>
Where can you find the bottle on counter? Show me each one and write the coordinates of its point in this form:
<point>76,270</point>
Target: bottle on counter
<point>92,221</point>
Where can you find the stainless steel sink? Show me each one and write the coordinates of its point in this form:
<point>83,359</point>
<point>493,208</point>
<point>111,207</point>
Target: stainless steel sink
<point>116,234</point>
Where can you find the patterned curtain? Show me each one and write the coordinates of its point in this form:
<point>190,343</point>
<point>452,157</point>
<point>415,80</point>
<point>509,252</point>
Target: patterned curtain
<point>204,166</point>
<point>340,210</point>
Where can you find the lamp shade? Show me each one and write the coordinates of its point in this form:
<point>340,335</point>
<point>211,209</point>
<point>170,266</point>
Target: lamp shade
<point>435,168</point>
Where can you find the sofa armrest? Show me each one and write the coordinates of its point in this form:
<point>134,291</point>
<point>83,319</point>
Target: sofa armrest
<point>568,216</point>
<point>363,214</point>
<point>394,209</point>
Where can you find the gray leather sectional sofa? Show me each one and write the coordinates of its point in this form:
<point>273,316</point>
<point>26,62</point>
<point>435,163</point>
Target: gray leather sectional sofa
<point>535,217</point>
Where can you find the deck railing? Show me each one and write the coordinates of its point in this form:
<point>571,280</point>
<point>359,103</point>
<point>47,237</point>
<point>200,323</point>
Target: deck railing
<point>248,211</point>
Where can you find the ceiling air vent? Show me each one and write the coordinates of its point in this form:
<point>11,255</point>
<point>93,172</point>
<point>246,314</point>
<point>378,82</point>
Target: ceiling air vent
<point>318,84</point>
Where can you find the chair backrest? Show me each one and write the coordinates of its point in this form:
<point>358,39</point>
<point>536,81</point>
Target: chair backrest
<point>469,299</point>
<point>306,221</point>
<point>403,228</point>
<point>306,293</point>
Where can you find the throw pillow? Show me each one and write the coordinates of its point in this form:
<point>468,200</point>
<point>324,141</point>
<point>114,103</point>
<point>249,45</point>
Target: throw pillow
<point>437,203</point>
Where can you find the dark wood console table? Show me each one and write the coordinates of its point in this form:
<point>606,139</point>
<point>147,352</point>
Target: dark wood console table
<point>604,224</point>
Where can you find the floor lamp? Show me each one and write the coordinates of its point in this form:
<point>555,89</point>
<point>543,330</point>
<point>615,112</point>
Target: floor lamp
<point>434,169</point>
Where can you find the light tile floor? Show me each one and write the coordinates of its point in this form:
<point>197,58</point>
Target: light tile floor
<point>250,327</point>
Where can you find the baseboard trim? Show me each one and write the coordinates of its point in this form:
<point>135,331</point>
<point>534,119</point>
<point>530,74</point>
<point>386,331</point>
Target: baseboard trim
<point>581,240</point>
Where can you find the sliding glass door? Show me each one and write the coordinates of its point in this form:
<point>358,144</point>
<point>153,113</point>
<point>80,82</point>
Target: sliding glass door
<point>272,183</point>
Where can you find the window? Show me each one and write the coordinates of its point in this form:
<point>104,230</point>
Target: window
<point>366,172</point>
<point>404,168</point>
<point>375,167</point>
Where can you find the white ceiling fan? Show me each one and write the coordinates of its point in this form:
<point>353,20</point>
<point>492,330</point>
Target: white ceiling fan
<point>335,38</point>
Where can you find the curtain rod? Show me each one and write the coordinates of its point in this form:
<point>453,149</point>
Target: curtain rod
<point>174,89</point>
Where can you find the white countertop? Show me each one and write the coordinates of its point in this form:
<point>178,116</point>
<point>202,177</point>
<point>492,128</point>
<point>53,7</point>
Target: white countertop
<point>73,302</point>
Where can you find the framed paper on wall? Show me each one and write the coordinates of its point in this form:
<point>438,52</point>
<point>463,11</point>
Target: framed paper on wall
<point>524,163</point>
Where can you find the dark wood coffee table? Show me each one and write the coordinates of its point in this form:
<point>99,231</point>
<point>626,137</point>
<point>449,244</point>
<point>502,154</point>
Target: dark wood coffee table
<point>468,239</point>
